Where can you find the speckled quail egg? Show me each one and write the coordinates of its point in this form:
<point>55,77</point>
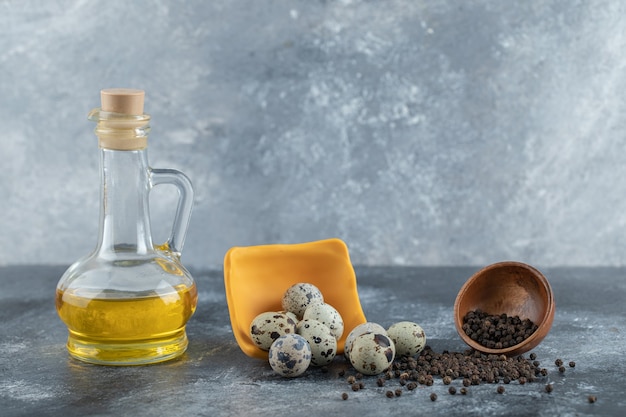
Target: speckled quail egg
<point>290,355</point>
<point>408,337</point>
<point>322,342</point>
<point>328,315</point>
<point>269,326</point>
<point>372,353</point>
<point>299,296</point>
<point>368,327</point>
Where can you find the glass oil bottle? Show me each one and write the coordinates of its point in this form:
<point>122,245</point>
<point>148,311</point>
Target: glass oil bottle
<point>128,302</point>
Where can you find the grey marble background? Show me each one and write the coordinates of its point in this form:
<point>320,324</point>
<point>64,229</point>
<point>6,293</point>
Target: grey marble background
<point>430,132</point>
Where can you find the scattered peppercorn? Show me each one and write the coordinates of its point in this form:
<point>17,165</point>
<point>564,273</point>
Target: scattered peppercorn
<point>470,366</point>
<point>342,372</point>
<point>592,399</point>
<point>344,396</point>
<point>572,364</point>
<point>433,396</point>
<point>558,362</point>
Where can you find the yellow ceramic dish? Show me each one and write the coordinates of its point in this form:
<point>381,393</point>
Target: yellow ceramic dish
<point>256,277</point>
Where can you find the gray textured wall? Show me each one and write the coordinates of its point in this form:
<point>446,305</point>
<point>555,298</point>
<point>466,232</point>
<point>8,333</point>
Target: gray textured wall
<point>421,132</point>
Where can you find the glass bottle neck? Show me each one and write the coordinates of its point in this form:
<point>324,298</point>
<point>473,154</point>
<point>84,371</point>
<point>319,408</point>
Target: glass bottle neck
<point>124,208</point>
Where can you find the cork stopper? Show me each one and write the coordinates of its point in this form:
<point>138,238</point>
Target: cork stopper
<point>122,100</point>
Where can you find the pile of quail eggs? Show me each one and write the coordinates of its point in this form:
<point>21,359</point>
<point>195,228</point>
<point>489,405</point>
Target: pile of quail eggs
<point>306,332</point>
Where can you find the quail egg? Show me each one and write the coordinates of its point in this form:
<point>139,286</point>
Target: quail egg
<point>372,353</point>
<point>368,327</point>
<point>408,337</point>
<point>328,315</point>
<point>299,296</point>
<point>269,326</point>
<point>322,342</point>
<point>290,355</point>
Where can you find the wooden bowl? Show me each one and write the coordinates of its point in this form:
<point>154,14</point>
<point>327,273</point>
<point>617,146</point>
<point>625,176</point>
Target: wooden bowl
<point>513,288</point>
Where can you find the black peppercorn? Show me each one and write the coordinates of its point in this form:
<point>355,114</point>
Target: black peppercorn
<point>533,356</point>
<point>398,392</point>
<point>471,366</point>
<point>433,396</point>
<point>572,364</point>
<point>496,331</point>
<point>344,396</point>
<point>500,390</point>
<point>389,394</point>
<point>452,390</point>
<point>592,399</point>
<point>561,369</point>
<point>463,391</point>
<point>558,362</point>
<point>355,386</point>
<point>549,388</point>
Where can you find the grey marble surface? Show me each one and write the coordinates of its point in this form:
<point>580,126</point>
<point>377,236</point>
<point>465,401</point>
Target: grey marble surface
<point>420,132</point>
<point>214,378</point>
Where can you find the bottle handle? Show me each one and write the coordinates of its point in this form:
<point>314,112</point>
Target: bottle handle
<point>183,211</point>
